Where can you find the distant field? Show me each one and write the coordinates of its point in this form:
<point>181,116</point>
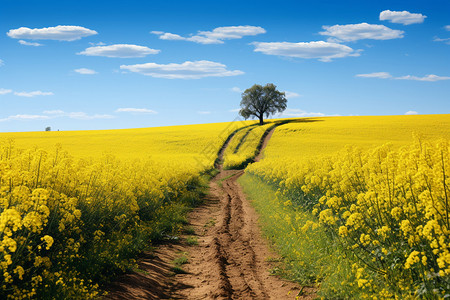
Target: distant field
<point>312,137</point>
<point>173,143</point>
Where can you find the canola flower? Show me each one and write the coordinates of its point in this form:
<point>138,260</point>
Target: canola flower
<point>69,222</point>
<point>243,146</point>
<point>388,205</point>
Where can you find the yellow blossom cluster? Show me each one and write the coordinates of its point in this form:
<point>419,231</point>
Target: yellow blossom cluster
<point>390,207</point>
<point>243,146</point>
<point>68,223</point>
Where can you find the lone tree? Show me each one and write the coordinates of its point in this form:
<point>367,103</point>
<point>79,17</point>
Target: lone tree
<point>258,101</point>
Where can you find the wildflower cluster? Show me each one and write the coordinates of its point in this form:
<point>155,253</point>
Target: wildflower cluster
<point>388,207</point>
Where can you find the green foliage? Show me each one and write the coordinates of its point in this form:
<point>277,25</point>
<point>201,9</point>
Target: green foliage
<point>192,241</point>
<point>259,101</point>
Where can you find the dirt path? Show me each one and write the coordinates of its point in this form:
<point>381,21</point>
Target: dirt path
<point>230,260</point>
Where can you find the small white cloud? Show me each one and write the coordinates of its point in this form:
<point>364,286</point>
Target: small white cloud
<point>33,94</point>
<point>85,116</point>
<point>97,44</point>
<point>236,89</point>
<point>386,75</point>
<point>299,113</point>
<point>402,17</point>
<point>232,32</point>
<point>430,77</point>
<point>119,50</point>
<point>216,36</point>
<point>53,112</point>
<point>411,112</point>
<point>383,75</point>
<point>354,32</point>
<point>136,110</point>
<point>85,71</point>
<point>5,91</point>
<point>1,62</point>
<point>323,51</point>
<point>290,95</point>
<point>447,27</point>
<point>59,33</point>
<point>446,41</point>
<point>204,112</point>
<point>25,117</point>
<point>22,42</point>
<point>235,110</point>
<point>75,115</point>
<point>186,70</point>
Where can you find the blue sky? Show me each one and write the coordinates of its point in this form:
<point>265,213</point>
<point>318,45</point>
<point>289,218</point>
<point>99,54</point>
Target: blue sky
<point>76,65</point>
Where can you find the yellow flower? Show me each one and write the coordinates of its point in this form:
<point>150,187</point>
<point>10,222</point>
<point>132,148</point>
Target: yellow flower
<point>48,240</point>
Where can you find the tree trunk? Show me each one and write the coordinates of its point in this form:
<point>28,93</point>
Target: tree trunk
<point>261,121</point>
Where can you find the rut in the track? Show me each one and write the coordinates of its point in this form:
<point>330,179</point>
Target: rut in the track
<point>230,260</point>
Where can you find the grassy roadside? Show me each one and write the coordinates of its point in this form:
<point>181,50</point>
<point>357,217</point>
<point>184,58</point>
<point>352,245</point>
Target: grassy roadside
<point>309,255</point>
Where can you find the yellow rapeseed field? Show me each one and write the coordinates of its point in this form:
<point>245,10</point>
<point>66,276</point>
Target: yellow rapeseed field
<point>76,207</point>
<point>384,194</point>
<point>184,143</point>
<point>243,146</point>
<point>311,137</point>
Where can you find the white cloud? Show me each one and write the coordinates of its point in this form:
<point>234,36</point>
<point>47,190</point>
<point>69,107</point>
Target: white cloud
<point>24,117</point>
<point>402,17</point>
<point>136,110</point>
<point>236,89</point>
<point>204,112</point>
<point>235,110</point>
<point>53,112</point>
<point>430,77</point>
<point>59,33</point>
<point>97,44</point>
<point>354,32</point>
<point>216,36</point>
<point>386,75</point>
<point>119,50</point>
<point>290,95</point>
<point>323,51</point>
<point>22,42</point>
<point>33,94</point>
<point>446,41</point>
<point>411,112</point>
<point>85,116</point>
<point>1,62</point>
<point>5,91</point>
<point>232,32</point>
<point>186,70</point>
<point>75,115</point>
<point>447,27</point>
<point>299,113</point>
<point>383,75</point>
<point>85,71</point>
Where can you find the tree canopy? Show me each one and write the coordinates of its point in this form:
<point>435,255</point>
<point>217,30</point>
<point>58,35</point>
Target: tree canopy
<point>259,101</point>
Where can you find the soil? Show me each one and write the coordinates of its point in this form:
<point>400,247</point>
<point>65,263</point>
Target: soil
<point>231,260</point>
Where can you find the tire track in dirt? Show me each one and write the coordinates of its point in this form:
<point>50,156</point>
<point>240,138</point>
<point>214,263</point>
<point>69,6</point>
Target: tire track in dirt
<point>230,260</point>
